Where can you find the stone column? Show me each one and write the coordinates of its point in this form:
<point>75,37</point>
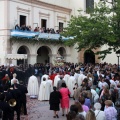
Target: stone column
<point>32,58</point>
<point>52,58</point>
<point>68,58</point>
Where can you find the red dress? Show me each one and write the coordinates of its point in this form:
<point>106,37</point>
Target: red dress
<point>65,98</point>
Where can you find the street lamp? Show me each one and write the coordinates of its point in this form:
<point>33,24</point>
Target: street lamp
<point>118,55</point>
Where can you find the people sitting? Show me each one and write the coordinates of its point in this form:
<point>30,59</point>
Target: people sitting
<point>17,27</point>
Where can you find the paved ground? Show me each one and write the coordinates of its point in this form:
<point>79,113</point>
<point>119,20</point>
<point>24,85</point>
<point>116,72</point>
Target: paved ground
<point>39,110</point>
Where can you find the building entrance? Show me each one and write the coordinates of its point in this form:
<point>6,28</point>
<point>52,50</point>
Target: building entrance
<point>43,55</point>
<point>89,57</point>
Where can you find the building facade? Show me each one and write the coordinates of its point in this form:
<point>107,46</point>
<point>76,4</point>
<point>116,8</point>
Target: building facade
<point>38,13</point>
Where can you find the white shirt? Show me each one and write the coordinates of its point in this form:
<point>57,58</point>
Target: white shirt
<point>100,115</point>
<point>83,113</point>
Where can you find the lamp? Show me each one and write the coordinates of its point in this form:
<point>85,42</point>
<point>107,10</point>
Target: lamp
<point>118,56</point>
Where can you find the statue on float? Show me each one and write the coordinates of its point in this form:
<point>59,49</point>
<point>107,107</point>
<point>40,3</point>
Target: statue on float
<point>59,60</point>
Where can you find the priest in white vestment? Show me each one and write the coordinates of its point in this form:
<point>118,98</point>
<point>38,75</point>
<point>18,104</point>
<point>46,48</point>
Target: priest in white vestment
<point>45,76</point>
<point>66,78</point>
<point>81,78</point>
<point>44,91</point>
<point>51,84</point>
<point>71,83</point>
<point>33,86</point>
<point>56,79</point>
<point>76,75</point>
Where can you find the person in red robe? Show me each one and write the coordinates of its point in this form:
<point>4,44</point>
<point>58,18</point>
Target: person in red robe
<point>52,76</point>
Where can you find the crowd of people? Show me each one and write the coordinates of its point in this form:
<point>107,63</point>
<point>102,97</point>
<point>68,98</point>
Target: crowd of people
<point>93,88</point>
<point>37,29</point>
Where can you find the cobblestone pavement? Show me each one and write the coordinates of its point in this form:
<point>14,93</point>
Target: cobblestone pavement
<point>39,110</point>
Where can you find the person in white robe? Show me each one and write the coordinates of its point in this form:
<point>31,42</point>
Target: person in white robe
<point>56,79</point>
<point>47,91</point>
<point>45,76</point>
<point>51,84</point>
<point>71,83</point>
<point>14,78</point>
<point>66,78</point>
<point>33,87</point>
<point>44,91</point>
<point>76,75</point>
<point>81,78</point>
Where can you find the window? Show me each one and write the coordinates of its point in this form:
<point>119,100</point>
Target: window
<point>22,20</point>
<point>89,5</point>
<point>44,23</point>
<point>60,26</point>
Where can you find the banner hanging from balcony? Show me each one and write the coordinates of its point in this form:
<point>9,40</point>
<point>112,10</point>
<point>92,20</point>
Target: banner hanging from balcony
<point>38,35</point>
<point>26,34</point>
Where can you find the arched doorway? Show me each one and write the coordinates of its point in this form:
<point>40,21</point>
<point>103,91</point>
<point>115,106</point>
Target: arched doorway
<point>89,57</point>
<point>22,50</point>
<point>43,54</point>
<point>62,51</point>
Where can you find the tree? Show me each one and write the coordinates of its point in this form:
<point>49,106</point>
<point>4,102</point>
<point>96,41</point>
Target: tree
<point>101,27</point>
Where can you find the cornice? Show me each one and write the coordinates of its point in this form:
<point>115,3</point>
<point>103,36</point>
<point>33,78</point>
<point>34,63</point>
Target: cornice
<point>44,14</point>
<point>60,17</point>
<point>55,7</point>
<point>21,9</point>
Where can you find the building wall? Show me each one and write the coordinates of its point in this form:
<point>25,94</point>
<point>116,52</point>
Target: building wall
<point>52,48</point>
<point>54,11</point>
<point>110,58</point>
<point>4,30</point>
<point>66,3</point>
<point>35,13</point>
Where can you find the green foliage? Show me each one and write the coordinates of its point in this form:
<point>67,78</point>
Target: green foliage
<point>36,41</point>
<point>100,27</point>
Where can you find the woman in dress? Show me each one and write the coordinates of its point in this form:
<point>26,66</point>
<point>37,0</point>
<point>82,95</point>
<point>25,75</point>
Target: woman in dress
<point>54,101</point>
<point>65,98</point>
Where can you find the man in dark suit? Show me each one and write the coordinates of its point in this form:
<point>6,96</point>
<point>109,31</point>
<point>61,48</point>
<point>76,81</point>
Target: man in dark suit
<point>6,109</point>
<point>17,96</point>
<point>24,91</point>
<point>7,94</point>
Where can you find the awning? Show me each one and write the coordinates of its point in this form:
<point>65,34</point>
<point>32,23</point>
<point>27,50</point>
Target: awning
<point>16,56</point>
